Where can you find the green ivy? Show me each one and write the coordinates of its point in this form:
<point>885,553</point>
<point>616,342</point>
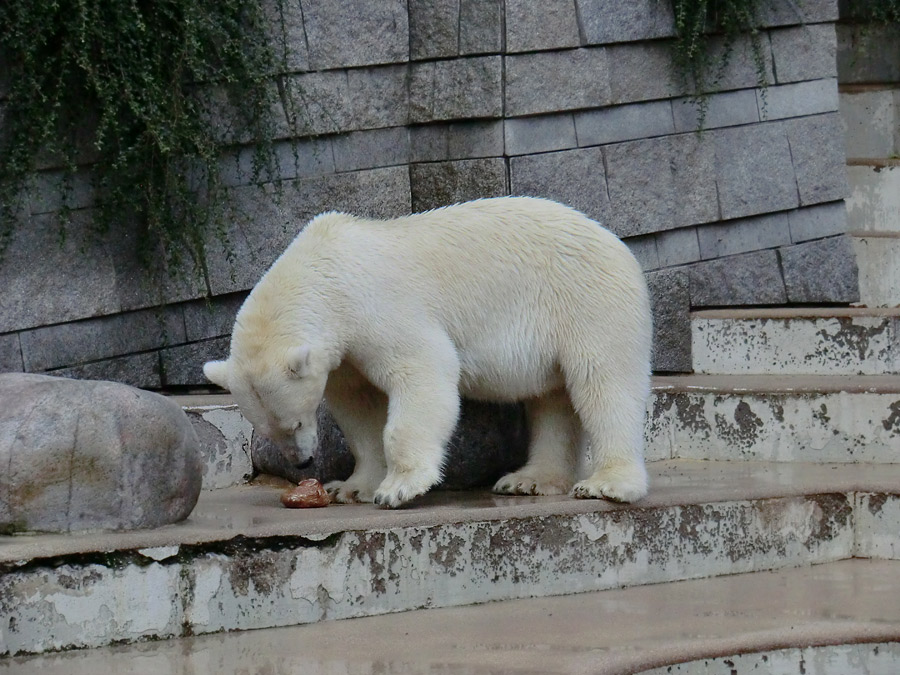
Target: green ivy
<point>124,91</point>
<point>700,23</point>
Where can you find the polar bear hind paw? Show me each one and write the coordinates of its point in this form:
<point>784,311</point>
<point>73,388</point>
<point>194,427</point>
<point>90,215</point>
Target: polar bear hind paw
<point>625,484</point>
<point>524,482</point>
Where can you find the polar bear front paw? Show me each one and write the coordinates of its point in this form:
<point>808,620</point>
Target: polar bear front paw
<point>622,483</point>
<point>531,482</point>
<point>350,492</point>
<point>401,486</point>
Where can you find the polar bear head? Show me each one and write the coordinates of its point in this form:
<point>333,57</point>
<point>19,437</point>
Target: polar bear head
<point>279,396</point>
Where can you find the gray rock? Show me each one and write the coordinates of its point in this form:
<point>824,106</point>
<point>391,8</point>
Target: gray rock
<point>539,134</point>
<point>474,139</point>
<point>573,177</point>
<point>286,35</point>
<point>355,33</point>
<point>641,72</point>
<point>456,89</point>
<point>821,271</point>
<point>378,96</point>
<point>489,441</point>
<point>442,183</point>
<point>480,26</point>
<point>661,184</point>
<point>555,81</point>
<point>798,99</point>
<point>69,344</point>
<point>433,29</point>
<point>723,110</point>
<point>533,26</point>
<point>182,366</point>
<point>624,123</point>
<point>677,247</point>
<point>643,248</point>
<point>671,306</point>
<point>92,455</point>
<point>746,279</point>
<point>804,52</point>
<point>211,318</point>
<point>609,21</point>
<point>371,149</point>
<point>10,354</point>
<point>754,172</point>
<point>787,12</point>
<point>819,161</point>
<point>315,103</point>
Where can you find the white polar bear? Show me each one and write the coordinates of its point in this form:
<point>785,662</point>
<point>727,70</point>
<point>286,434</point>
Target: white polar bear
<point>506,299</point>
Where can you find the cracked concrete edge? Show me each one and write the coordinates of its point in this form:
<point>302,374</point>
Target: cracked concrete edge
<point>95,601</point>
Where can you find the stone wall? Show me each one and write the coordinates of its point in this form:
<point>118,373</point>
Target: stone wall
<point>404,105</point>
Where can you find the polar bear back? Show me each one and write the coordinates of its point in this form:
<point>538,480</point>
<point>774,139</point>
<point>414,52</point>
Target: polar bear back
<point>513,281</point>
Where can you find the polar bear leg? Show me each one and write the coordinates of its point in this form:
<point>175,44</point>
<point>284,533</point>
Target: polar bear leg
<point>360,411</point>
<point>613,420</point>
<point>555,431</point>
<point>423,408</point>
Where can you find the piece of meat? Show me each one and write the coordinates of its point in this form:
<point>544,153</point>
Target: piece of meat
<point>308,494</point>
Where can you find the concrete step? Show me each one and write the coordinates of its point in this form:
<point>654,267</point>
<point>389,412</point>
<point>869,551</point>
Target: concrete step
<point>874,201</point>
<point>797,418</point>
<point>241,561</point>
<point>871,117</point>
<point>796,341</point>
<point>841,615</point>
<point>878,260</point>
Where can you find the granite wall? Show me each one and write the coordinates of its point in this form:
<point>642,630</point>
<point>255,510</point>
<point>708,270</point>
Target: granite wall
<point>403,105</point>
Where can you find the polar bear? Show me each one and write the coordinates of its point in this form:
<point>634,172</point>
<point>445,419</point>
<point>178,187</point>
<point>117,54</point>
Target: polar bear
<point>504,299</point>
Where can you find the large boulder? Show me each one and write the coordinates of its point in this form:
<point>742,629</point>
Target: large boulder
<point>82,455</point>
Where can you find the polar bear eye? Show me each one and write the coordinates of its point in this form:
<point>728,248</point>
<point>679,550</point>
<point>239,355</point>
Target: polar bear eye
<point>297,426</point>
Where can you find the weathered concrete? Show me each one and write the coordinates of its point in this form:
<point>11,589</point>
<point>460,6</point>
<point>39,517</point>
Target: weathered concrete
<point>871,119</point>
<point>878,260</point>
<point>874,201</point>
<point>774,418</point>
<point>813,341</point>
<point>92,456</point>
<point>877,533</point>
<point>242,561</point>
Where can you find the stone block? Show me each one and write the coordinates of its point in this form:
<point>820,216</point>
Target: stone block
<point>314,104</point>
<point>754,172</point>
<point>293,159</point>
<point>539,134</point>
<point>428,143</point>
<point>728,109</point>
<point>608,21</point>
<point>213,317</point>
<point>678,247</point>
<point>804,52</point>
<point>182,366</point>
<point>379,97</point>
<point>371,149</point>
<point>51,191</point>
<point>480,26</point>
<point>798,99</point>
<point>533,26</point>
<point>790,12</point>
<point>342,33</point>
<point>661,184</point>
<point>747,67</point>
<point>456,140</point>
<point>644,250</point>
<point>816,222</point>
<point>556,81</point>
<point>744,235</point>
<point>10,354</point>
<point>455,89</point>
<point>670,302</point>
<point>65,279</point>
<point>821,271</point>
<point>819,160</point>
<point>624,123</point>
<point>78,342</point>
<point>641,72</point>
<point>868,53</point>
<point>443,183</point>
<point>433,29</point>
<point>92,456</point>
<point>573,177</point>
<point>746,279</point>
<point>284,25</point>
<point>136,370</point>
<point>274,218</point>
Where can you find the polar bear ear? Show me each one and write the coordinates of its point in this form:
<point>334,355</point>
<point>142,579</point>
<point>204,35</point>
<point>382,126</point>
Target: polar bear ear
<point>217,372</point>
<point>299,360</point>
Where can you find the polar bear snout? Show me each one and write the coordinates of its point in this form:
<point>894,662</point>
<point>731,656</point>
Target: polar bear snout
<point>306,442</point>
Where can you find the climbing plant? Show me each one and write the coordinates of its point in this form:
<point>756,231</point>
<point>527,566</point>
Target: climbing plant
<point>125,91</point>
<point>701,24</point>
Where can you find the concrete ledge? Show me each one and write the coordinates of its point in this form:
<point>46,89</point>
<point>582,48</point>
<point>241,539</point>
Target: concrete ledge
<point>850,603</point>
